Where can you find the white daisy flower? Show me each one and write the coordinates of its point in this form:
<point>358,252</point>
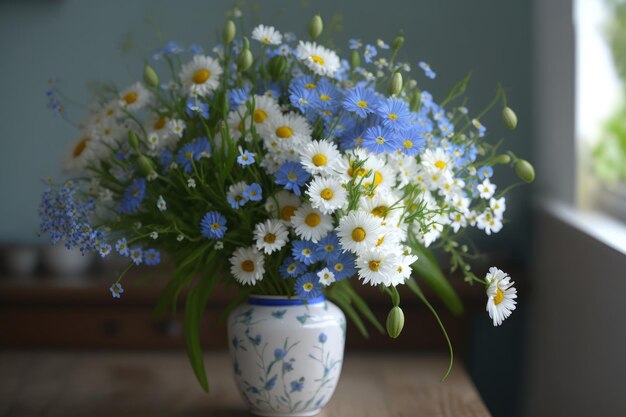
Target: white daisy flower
<point>135,97</point>
<point>326,277</point>
<point>378,267</point>
<point>497,206</point>
<point>502,295</point>
<point>457,221</point>
<point>153,140</point>
<point>82,152</point>
<point>191,183</point>
<point>486,189</point>
<point>219,245</point>
<point>111,111</point>
<point>359,231</point>
<point>176,127</point>
<point>437,162</point>
<point>264,108</point>
<point>284,204</point>
<point>310,223</point>
<point>488,222</point>
<point>267,35</point>
<point>472,218</point>
<point>270,236</point>
<point>320,157</point>
<point>320,60</point>
<point>161,204</point>
<point>404,266</point>
<point>381,205</point>
<point>289,130</point>
<point>154,235</point>
<point>327,194</point>
<point>247,265</point>
<point>201,75</point>
<point>180,238</point>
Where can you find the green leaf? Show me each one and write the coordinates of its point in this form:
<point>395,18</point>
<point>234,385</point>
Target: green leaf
<point>362,306</point>
<point>428,269</point>
<point>457,89</point>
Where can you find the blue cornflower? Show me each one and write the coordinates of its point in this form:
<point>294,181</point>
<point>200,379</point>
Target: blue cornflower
<point>116,290</point>
<point>328,95</point>
<point>369,53</point>
<point>279,353</point>
<point>302,94</point>
<point>133,196</point>
<point>354,43</point>
<point>136,255</point>
<point>193,151</point>
<point>304,251</point>
<point>253,192</point>
<point>343,73</point>
<point>323,338</point>
<point>343,267</point>
<point>484,172</point>
<point>292,176</point>
<point>291,268</point>
<point>381,139</point>
<point>307,286</point>
<point>245,158</point>
<point>412,141</point>
<point>394,113</point>
<point>195,49</point>
<point>328,248</point>
<point>471,152</point>
<point>152,257</point>
<point>289,37</point>
<point>427,70</point>
<point>171,48</point>
<point>238,96</point>
<point>197,106</point>
<point>166,157</point>
<point>104,249</point>
<point>297,386</point>
<point>350,139</point>
<point>361,101</point>
<point>213,225</point>
<point>283,50</point>
<point>122,247</point>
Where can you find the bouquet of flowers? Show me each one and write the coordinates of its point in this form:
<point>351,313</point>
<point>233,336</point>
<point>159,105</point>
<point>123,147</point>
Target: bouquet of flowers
<point>278,166</point>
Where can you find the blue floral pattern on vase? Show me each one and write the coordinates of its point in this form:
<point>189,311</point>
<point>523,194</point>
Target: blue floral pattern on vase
<point>287,361</point>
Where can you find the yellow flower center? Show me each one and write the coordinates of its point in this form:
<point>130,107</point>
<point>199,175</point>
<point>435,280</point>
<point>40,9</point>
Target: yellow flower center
<point>269,238</point>
<point>307,286</point>
<point>324,97</point>
<point>287,212</point>
<point>362,104</point>
<point>374,265</point>
<point>393,116</point>
<point>380,241</point>
<point>499,296</point>
<point>440,164</point>
<point>312,219</point>
<point>159,124</point>
<point>130,97</point>
<point>309,86</point>
<point>259,116</point>
<point>319,159</point>
<point>284,132</point>
<point>80,147</point>
<point>215,226</point>
<point>380,211</point>
<point>407,144</point>
<point>247,265</point>
<point>317,59</point>
<point>327,194</point>
<point>189,154</point>
<point>358,234</point>
<point>380,140</point>
<point>339,267</point>
<point>135,192</point>
<point>265,40</point>
<point>201,76</point>
<point>292,176</point>
<point>329,248</point>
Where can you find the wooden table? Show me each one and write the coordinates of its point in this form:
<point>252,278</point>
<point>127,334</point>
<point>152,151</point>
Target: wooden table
<point>103,383</point>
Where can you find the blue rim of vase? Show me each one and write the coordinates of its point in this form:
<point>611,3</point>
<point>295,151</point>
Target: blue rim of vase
<point>275,301</point>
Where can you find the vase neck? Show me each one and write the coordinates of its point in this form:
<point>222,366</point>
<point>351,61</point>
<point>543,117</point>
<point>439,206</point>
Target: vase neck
<point>283,300</point>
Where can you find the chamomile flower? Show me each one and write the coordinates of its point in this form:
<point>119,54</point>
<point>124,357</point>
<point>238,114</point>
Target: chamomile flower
<point>486,189</point>
<point>82,152</point>
<point>270,236</point>
<point>267,35</point>
<point>327,194</point>
<point>320,157</point>
<point>310,223</point>
<point>247,265</point>
<point>264,108</point>
<point>378,267</point>
<point>283,205</point>
<point>320,60</point>
<point>501,295</point>
<point>235,195</point>
<point>326,277</point>
<point>201,75</point>
<point>135,97</point>
<point>289,130</point>
<point>213,225</point>
<point>176,127</point>
<point>307,286</point>
<point>359,231</point>
<point>437,162</point>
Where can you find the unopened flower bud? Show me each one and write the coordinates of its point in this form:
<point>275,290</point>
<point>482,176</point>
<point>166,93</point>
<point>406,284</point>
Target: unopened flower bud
<point>230,30</point>
<point>246,43</point>
<point>316,26</point>
<point>395,84</point>
<point>509,118</point>
<point>525,170</point>
<point>144,165</point>
<point>502,159</point>
<point>397,43</point>
<point>395,322</point>
<point>133,140</point>
<point>277,66</point>
<point>355,59</point>
<point>244,60</point>
<point>150,77</point>
<point>414,101</point>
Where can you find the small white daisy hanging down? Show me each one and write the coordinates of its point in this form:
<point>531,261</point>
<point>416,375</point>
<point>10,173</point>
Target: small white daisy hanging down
<point>501,295</point>
<point>320,60</point>
<point>201,75</point>
<point>326,277</point>
<point>270,236</point>
<point>267,35</point>
<point>247,265</point>
<point>161,204</point>
<point>311,224</point>
<point>135,97</point>
<point>327,194</point>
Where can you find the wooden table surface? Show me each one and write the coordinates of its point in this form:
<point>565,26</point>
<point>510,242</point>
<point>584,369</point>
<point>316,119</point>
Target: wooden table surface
<point>137,384</point>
